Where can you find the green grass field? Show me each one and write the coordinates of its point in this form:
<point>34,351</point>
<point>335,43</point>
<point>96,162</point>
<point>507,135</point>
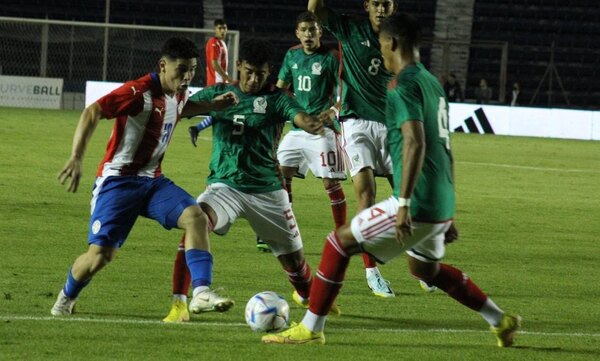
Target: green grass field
<point>528,214</point>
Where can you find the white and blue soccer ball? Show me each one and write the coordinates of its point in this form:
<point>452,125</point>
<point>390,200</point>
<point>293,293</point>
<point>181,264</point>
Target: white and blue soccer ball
<point>267,312</point>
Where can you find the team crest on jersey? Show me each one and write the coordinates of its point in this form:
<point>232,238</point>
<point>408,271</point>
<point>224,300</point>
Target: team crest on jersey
<point>316,68</point>
<point>260,105</point>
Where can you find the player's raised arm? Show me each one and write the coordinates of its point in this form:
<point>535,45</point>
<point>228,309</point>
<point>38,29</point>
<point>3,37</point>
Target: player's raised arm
<point>218,103</point>
<point>85,128</point>
<point>309,123</point>
<point>318,7</point>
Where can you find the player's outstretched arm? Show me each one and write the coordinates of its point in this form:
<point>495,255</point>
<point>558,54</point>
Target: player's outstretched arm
<point>218,103</point>
<point>194,130</point>
<point>318,7</point>
<point>309,123</point>
<point>85,128</point>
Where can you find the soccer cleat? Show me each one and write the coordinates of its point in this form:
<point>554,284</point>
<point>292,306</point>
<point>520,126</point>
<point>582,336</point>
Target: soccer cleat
<point>505,332</point>
<point>208,301</point>
<point>335,310</point>
<point>262,246</point>
<point>426,287</point>
<point>63,306</point>
<point>178,313</point>
<point>296,334</point>
<point>379,286</point>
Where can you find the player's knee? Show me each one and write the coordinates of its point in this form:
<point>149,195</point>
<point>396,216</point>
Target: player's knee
<point>347,240</point>
<point>193,217</point>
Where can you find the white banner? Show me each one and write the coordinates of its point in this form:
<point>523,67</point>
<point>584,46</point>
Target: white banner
<point>476,118</point>
<point>95,90</point>
<point>30,92</point>
<point>523,121</point>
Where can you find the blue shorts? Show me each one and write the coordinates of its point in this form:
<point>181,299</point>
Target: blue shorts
<point>118,201</point>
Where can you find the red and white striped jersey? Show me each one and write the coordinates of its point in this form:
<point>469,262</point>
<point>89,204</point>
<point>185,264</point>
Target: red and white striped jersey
<point>145,120</point>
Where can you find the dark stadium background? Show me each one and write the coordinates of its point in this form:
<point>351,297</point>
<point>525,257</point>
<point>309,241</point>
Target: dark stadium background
<point>529,27</point>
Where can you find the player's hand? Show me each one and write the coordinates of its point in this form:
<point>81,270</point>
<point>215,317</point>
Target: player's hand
<point>403,225</point>
<point>314,126</point>
<point>224,101</point>
<point>451,234</point>
<point>193,134</point>
<point>73,170</point>
<point>328,117</point>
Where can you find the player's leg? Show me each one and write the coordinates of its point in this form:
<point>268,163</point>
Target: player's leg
<point>173,207</point>
<point>337,199</point>
<point>80,274</point>
<point>363,153</point>
<point>339,246</point>
<point>181,286</point>
<point>424,264</point>
<point>116,204</point>
<point>365,189</point>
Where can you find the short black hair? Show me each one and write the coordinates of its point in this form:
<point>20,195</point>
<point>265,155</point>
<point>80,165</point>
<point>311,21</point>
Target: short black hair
<point>307,16</point>
<point>220,22</point>
<point>405,28</point>
<point>180,48</point>
<point>257,52</point>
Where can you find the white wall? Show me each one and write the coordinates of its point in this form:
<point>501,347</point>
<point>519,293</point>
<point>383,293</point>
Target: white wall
<point>504,120</point>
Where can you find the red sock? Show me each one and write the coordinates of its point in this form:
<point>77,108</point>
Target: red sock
<point>338,204</point>
<point>300,278</point>
<point>459,286</point>
<point>330,276</point>
<point>369,261</point>
<point>288,188</point>
<point>181,274</point>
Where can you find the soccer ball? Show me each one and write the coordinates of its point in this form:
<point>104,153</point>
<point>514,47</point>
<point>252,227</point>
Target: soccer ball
<point>267,312</point>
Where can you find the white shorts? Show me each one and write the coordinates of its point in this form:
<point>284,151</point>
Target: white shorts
<point>365,146</point>
<point>321,154</point>
<point>375,229</point>
<point>269,214</point>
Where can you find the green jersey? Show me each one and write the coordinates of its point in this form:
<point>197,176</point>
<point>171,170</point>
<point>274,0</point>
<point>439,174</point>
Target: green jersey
<point>417,95</point>
<point>313,78</point>
<point>364,78</point>
<point>246,136</point>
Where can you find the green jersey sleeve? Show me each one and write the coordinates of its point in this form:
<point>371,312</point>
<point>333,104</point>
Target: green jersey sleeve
<point>287,106</point>
<point>338,25</point>
<point>285,73</point>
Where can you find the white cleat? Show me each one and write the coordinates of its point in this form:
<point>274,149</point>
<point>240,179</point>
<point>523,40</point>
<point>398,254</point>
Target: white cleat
<point>379,286</point>
<point>209,301</point>
<point>63,306</point>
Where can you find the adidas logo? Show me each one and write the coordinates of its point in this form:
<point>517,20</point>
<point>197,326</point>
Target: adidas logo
<point>366,43</point>
<point>484,123</point>
<point>295,66</point>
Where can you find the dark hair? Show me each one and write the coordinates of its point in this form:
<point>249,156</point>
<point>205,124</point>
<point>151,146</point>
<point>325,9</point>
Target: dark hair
<point>308,17</point>
<point>257,52</point>
<point>405,28</point>
<point>180,48</point>
<point>220,22</point>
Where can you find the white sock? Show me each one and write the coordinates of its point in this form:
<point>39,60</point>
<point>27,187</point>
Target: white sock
<point>314,322</point>
<point>179,297</point>
<point>372,272</point>
<point>491,312</point>
<point>200,289</point>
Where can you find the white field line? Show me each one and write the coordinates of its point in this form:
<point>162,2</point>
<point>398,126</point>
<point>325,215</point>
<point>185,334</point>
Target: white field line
<point>543,169</point>
<point>5,318</point>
